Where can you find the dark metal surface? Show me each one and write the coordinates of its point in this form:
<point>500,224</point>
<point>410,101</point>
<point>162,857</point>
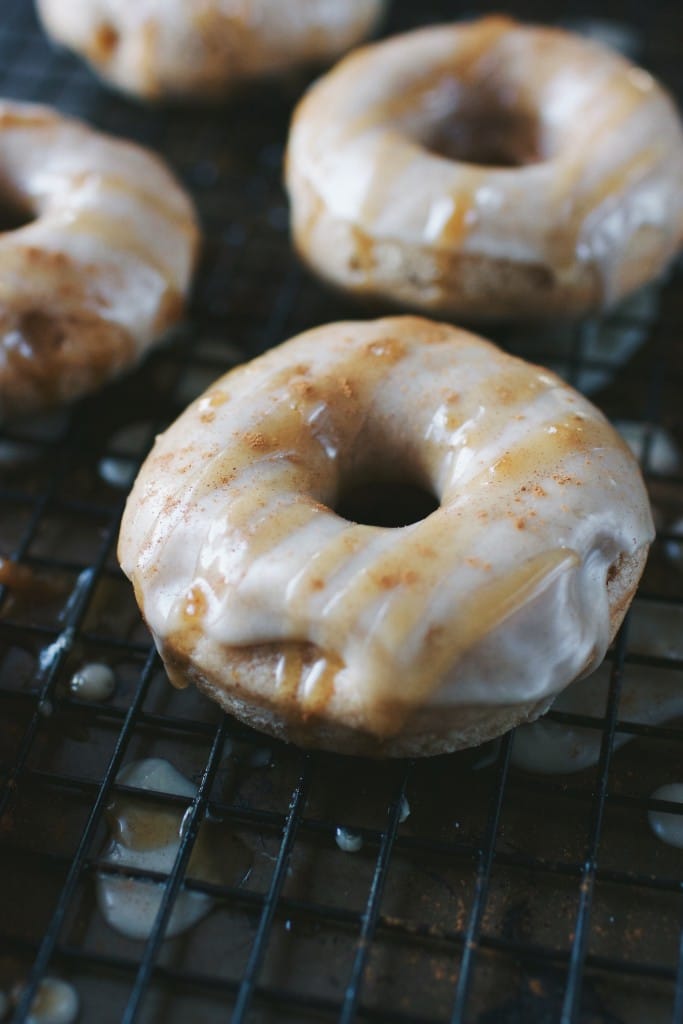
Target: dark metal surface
<point>504,897</point>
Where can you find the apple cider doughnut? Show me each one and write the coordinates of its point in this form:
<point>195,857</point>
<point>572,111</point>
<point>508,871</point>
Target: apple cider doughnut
<point>316,626</point>
<point>96,257</point>
<point>487,170</point>
<point>159,49</point>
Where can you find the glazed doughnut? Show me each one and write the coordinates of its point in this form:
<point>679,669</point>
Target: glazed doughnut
<point>487,170</point>
<point>371,639</point>
<point>159,48</point>
<point>101,268</point>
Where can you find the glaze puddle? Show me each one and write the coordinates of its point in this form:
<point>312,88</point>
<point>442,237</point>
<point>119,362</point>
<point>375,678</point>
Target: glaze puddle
<point>55,1002</point>
<point>147,836</point>
<point>93,682</point>
<point>666,826</point>
<point>348,841</point>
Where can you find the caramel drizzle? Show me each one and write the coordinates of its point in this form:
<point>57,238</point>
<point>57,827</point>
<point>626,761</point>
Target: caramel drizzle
<point>372,562</point>
<point>180,218</point>
<point>487,607</point>
<point>620,98</point>
<point>142,824</point>
<point>476,40</point>
<point>621,101</point>
<point>118,235</point>
<point>395,152</point>
<point>458,224</point>
<point>304,677</point>
<point>25,586</point>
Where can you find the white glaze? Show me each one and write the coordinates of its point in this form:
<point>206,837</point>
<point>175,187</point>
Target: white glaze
<point>374,209</point>
<point>131,905</point>
<point>113,242</point>
<point>230,538</point>
<point>348,841</point>
<point>649,696</point>
<point>93,681</point>
<point>668,827</point>
<point>56,1002</point>
<point>157,47</point>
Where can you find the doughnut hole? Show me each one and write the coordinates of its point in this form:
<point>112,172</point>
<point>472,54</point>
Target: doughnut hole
<point>383,477</point>
<point>386,503</point>
<point>488,138</point>
<point>14,214</point>
<point>483,123</point>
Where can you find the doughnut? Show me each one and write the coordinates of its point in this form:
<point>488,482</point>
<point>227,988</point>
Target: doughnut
<point>487,170</point>
<point>176,48</point>
<point>385,640</point>
<point>95,260</point>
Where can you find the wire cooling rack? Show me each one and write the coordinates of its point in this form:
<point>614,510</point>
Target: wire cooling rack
<point>504,896</point>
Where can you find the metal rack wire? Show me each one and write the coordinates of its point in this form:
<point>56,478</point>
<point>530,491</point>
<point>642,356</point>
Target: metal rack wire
<point>504,896</point>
